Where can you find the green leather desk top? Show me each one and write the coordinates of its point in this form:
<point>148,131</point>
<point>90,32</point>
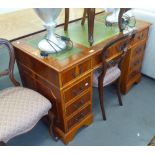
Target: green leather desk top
<point>79,34</point>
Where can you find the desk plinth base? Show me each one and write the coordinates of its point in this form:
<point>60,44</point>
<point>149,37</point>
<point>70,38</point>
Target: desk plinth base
<point>67,137</point>
<point>135,80</point>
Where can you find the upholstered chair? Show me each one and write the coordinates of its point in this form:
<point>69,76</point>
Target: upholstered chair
<point>20,108</point>
<point>110,72</point>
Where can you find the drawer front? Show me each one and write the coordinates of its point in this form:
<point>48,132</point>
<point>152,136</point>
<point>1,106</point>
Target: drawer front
<point>136,63</point>
<point>78,103</point>
<point>77,89</point>
<point>68,76</point>
<point>137,53</point>
<point>79,117</point>
<point>97,59</point>
<point>138,50</point>
<point>74,72</point>
<point>115,49</point>
<point>140,36</point>
<point>83,67</point>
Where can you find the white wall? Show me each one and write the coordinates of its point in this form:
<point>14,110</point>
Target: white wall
<point>149,58</point>
<point>7,10</point>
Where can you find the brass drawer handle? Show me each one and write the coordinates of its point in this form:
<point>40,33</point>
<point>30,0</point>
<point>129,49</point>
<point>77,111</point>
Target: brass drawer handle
<point>80,69</point>
<point>74,74</point>
<point>141,36</point>
<point>139,49</point>
<point>81,88</point>
<point>122,47</point>
<point>76,91</point>
<point>75,106</point>
<point>82,101</point>
<point>79,104</point>
<point>81,115</point>
<point>136,63</point>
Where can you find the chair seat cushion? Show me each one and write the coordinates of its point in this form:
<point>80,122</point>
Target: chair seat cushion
<point>20,110</point>
<point>111,75</point>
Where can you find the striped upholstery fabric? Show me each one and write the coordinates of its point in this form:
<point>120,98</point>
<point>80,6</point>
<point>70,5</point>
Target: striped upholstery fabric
<point>111,75</point>
<point>20,110</point>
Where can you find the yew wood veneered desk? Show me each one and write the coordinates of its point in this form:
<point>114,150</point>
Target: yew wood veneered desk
<point>69,74</point>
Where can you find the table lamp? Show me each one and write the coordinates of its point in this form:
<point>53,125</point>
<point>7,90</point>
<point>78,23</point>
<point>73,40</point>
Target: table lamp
<point>51,43</point>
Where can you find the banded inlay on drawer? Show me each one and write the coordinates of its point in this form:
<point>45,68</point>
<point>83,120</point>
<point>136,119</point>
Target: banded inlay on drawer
<point>79,116</point>
<point>77,89</point>
<point>78,103</point>
<point>76,71</point>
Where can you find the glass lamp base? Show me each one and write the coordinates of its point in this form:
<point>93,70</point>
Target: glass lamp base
<point>52,46</point>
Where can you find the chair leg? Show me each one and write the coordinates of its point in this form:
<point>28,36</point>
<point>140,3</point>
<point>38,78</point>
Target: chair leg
<point>51,131</point>
<point>84,16</point>
<point>2,144</point>
<point>100,89</point>
<point>118,92</point>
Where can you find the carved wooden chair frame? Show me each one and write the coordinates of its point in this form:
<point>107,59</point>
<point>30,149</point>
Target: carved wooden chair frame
<point>117,60</point>
<point>10,73</point>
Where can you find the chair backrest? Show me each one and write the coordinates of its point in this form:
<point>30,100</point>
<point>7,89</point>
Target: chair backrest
<point>9,70</point>
<point>121,44</point>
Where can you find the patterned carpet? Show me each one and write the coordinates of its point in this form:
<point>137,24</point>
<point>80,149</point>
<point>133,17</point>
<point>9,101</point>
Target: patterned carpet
<point>152,142</point>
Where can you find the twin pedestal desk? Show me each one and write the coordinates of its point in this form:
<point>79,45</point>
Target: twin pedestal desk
<point>69,74</point>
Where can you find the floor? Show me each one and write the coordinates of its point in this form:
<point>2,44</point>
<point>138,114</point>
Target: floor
<point>131,124</point>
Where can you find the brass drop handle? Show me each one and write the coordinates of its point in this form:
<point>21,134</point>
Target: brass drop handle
<point>79,104</point>
<point>137,62</point>
<point>77,91</point>
<point>139,49</point>
<point>142,36</point>
<point>81,88</point>
<point>79,117</point>
<point>76,106</point>
<point>122,47</point>
<point>139,37</point>
<point>74,74</point>
<point>82,101</point>
<point>80,69</point>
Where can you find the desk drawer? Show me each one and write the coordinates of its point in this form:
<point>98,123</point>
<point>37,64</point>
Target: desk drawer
<point>97,59</point>
<point>79,117</point>
<point>135,63</point>
<point>138,49</point>
<point>140,36</point>
<point>74,72</point>
<point>83,100</point>
<point>77,89</point>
